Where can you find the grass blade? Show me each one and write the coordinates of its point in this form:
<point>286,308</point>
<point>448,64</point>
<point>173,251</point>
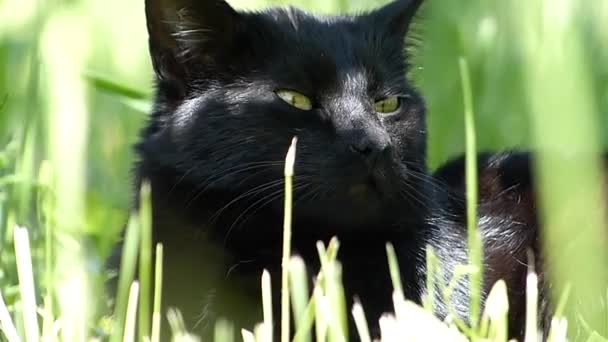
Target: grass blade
<point>531,307</point>
<point>267,305</point>
<point>393,265</point>
<point>158,285</point>
<point>113,87</point>
<point>145,260</point>
<point>285,313</point>
<point>496,310</point>
<point>127,274</point>
<point>6,323</point>
<point>361,322</point>
<point>247,336</point>
<point>299,293</point>
<point>224,332</point>
<point>475,251</point>
<point>26,284</point>
<point>131,319</point>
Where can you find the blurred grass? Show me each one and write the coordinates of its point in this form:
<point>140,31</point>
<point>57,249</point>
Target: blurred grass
<point>538,74</point>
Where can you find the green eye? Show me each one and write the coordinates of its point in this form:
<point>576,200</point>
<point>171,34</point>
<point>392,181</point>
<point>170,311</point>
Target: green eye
<point>387,105</point>
<point>295,99</point>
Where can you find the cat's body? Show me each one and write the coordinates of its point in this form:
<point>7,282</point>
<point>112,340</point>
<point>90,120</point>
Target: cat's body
<point>233,90</point>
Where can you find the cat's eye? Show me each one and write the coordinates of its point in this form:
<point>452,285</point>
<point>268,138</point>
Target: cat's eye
<point>388,105</point>
<point>295,99</point>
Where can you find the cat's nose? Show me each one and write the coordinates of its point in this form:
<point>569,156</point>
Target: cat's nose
<point>372,152</point>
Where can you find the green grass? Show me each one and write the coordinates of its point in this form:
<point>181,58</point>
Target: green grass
<point>75,84</point>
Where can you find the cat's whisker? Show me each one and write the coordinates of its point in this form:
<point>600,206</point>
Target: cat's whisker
<point>434,183</point>
<point>182,178</point>
<point>227,173</point>
<point>220,176</point>
<point>274,195</point>
<point>251,192</point>
<point>310,193</point>
<point>266,200</point>
<point>413,194</point>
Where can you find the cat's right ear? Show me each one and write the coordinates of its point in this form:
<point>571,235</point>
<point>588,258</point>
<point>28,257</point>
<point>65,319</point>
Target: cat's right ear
<point>396,16</point>
<point>187,35</point>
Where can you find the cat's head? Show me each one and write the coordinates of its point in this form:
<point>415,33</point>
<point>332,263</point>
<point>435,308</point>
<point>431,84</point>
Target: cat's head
<point>235,87</point>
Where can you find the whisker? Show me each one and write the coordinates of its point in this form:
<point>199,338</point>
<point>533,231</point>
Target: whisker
<point>251,192</point>
<point>266,200</point>
<point>218,177</point>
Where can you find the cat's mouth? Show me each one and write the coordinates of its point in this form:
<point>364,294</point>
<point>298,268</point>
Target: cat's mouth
<point>369,189</point>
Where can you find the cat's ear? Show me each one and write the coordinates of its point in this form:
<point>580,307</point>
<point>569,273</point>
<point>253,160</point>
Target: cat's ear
<point>397,16</point>
<point>185,34</point>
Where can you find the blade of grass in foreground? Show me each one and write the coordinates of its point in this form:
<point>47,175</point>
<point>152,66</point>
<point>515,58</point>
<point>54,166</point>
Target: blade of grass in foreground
<point>26,284</point>
<point>7,327</point>
<point>126,276</point>
<point>267,305</point>
<point>285,313</point>
<point>131,319</point>
<point>361,322</point>
<point>475,248</point>
<point>531,305</point>
<point>299,293</point>
<point>145,260</point>
<point>111,86</point>
<point>158,285</point>
<point>393,265</point>
<point>559,86</point>
<point>46,214</point>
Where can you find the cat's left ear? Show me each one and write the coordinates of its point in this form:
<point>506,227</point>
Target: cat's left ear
<point>188,34</point>
<point>397,16</point>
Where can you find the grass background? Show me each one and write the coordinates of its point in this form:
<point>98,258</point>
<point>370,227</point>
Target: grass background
<point>539,75</point>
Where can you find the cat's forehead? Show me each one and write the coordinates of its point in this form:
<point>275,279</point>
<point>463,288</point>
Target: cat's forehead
<point>344,41</point>
<point>324,49</point>
<point>333,33</point>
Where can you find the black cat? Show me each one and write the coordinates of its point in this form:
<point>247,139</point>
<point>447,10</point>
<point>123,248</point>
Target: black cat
<point>235,87</point>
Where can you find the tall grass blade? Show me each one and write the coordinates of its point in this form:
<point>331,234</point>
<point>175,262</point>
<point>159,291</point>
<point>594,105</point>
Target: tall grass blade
<point>224,332</point>
<point>321,312</point>
<point>247,336</point>
<point>46,215</point>
<point>131,319</point>
<point>158,286</point>
<point>496,312</point>
<point>475,248</point>
<point>336,299</point>
<point>531,307</point>
<point>285,310</point>
<point>7,327</point>
<point>26,284</point>
<point>299,293</point>
<point>145,260</point>
<point>361,322</point>
<point>267,305</point>
<point>128,264</point>
<point>393,264</point>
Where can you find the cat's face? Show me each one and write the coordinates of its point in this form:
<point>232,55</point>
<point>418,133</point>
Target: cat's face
<point>235,88</point>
